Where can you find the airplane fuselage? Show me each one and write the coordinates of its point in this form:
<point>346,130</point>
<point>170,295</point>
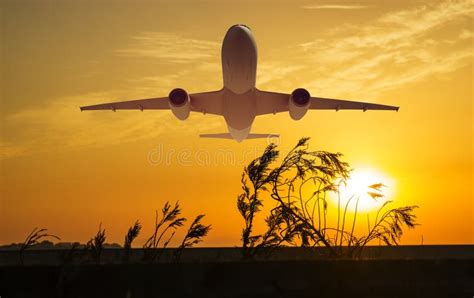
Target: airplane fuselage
<point>239,69</point>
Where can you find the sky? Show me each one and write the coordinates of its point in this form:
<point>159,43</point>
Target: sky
<point>70,171</point>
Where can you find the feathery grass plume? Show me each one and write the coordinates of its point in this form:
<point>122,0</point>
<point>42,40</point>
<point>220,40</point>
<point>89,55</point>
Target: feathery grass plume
<point>194,235</point>
<point>375,191</point>
<point>96,244</point>
<point>33,239</point>
<point>132,233</point>
<point>389,226</point>
<point>249,203</point>
<point>293,220</point>
<point>195,232</point>
<point>300,184</point>
<point>169,220</point>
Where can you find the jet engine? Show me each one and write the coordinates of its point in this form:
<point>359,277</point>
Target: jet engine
<point>299,103</point>
<point>179,103</point>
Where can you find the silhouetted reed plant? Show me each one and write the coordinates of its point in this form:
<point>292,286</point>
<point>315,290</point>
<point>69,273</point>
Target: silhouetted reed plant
<point>194,235</point>
<point>132,233</point>
<point>33,239</point>
<point>95,245</point>
<point>170,221</point>
<point>387,226</point>
<point>165,228</point>
<point>299,220</point>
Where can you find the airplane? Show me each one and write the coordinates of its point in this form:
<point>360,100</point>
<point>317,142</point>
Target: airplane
<point>239,101</point>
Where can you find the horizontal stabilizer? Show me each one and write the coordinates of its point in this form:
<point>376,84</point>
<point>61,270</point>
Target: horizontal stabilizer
<point>229,136</point>
<point>216,135</point>
<point>262,135</point>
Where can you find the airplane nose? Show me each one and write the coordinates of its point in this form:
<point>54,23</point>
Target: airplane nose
<point>238,34</point>
<point>239,28</point>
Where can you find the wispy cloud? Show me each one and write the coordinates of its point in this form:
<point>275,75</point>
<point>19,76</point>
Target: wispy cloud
<point>334,6</point>
<point>353,61</point>
<point>169,47</point>
<point>275,72</point>
<point>398,48</point>
<point>60,124</point>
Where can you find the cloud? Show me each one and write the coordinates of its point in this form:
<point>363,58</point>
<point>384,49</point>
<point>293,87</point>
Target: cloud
<point>60,125</point>
<point>333,6</point>
<point>272,72</point>
<point>395,49</point>
<point>170,47</point>
<point>10,149</point>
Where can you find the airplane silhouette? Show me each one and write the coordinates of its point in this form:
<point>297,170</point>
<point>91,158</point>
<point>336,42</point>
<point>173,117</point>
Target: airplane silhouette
<point>239,101</point>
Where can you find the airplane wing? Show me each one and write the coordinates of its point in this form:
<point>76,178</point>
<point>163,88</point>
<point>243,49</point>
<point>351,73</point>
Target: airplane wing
<point>205,102</point>
<point>320,103</point>
<point>273,102</point>
<point>208,102</point>
<point>159,103</point>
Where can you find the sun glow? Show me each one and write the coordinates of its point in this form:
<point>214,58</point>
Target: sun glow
<point>366,190</point>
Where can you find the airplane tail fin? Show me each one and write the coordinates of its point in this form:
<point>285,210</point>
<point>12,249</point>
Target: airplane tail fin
<point>250,135</point>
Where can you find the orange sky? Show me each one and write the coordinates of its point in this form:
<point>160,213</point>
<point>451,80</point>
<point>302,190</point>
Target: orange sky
<point>69,171</point>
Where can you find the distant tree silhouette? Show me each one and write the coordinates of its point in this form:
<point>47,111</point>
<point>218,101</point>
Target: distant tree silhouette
<point>300,221</point>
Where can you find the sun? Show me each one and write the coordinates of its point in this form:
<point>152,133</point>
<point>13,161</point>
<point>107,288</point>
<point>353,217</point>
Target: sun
<point>366,189</point>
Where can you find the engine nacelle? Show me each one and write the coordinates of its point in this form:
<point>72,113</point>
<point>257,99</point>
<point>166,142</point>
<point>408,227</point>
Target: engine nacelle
<point>179,103</point>
<point>299,103</point>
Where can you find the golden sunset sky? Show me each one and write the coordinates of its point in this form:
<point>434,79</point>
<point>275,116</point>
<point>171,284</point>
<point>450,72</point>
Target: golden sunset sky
<point>69,171</point>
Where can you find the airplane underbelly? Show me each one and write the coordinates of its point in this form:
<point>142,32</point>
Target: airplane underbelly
<point>239,109</point>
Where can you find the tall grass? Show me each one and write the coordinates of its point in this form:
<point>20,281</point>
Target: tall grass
<point>301,220</point>
<point>33,239</point>
<point>170,221</point>
<point>132,233</point>
<point>164,230</point>
<point>95,245</point>
<point>195,234</point>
